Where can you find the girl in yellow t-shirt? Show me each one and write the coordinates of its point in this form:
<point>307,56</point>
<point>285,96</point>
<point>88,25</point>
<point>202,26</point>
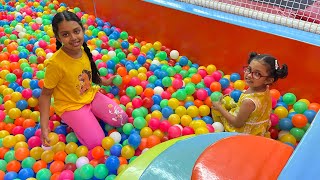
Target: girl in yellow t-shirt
<point>251,114</point>
<point>69,75</point>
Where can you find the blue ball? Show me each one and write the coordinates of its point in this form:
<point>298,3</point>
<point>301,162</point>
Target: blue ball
<point>19,89</point>
<point>235,94</point>
<point>114,90</point>
<point>310,114</point>
<point>290,115</point>
<point>282,104</point>
<point>125,44</point>
<point>285,124</point>
<point>134,140</point>
<point>196,118</point>
<point>156,98</point>
<point>13,85</point>
<point>62,129</point>
<point>25,173</point>
<point>22,104</point>
<point>141,59</point>
<point>34,84</point>
<point>207,119</point>
<point>115,150</point>
<point>151,85</point>
<point>111,64</point>
<point>123,137</point>
<point>29,132</point>
<point>155,107</point>
<point>183,61</point>
<point>10,175</point>
<point>224,83</point>
<point>166,112</point>
<point>27,75</point>
<point>158,82</point>
<point>188,103</point>
<point>36,92</point>
<point>112,163</point>
<point>234,77</point>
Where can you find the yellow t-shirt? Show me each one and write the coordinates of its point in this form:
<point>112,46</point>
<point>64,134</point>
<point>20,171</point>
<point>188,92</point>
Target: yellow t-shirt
<point>71,80</point>
<point>258,122</point>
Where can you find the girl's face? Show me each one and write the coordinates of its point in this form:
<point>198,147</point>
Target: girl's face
<point>256,75</point>
<point>71,35</point>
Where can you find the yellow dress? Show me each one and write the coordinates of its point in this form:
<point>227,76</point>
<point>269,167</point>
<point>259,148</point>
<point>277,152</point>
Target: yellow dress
<point>258,122</point>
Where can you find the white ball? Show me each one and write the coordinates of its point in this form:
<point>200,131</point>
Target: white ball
<point>21,35</point>
<point>18,28</point>
<point>48,56</point>
<point>36,43</point>
<point>179,126</point>
<point>281,133</point>
<point>39,20</point>
<point>156,62</point>
<point>116,136</point>
<point>82,161</point>
<point>94,52</point>
<point>218,127</point>
<point>174,54</point>
<point>112,54</point>
<point>158,90</point>
<point>144,150</point>
<point>46,147</point>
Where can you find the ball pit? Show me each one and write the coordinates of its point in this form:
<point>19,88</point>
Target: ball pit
<point>165,94</point>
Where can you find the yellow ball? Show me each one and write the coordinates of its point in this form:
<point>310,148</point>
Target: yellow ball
<point>33,102</point>
<point>105,58</point>
<point>281,112</point>
<point>127,151</point>
<point>31,179</point>
<point>187,80</point>
<point>82,151</point>
<point>173,103</point>
<point>20,138</point>
<point>36,153</point>
<point>186,120</point>
<point>142,76</point>
<point>9,105</point>
<point>2,87</point>
<point>4,133</point>
<point>239,84</point>
<point>16,96</point>
<point>9,141</point>
<point>7,91</point>
<point>181,110</point>
<point>54,138</point>
<point>26,113</point>
<point>146,132</point>
<point>204,110</point>
<point>158,133</point>
<point>157,45</point>
<point>174,119</point>
<point>289,139</point>
<point>107,143</point>
<point>26,83</point>
<point>133,73</point>
<point>148,117</point>
<point>56,124</point>
<point>142,70</point>
<point>156,114</point>
<point>139,89</point>
<point>60,146</point>
<point>14,113</point>
<point>201,130</point>
<point>211,68</point>
<point>71,147</point>
<point>144,49</point>
<point>305,101</point>
<point>21,145</point>
<point>193,111</point>
<point>35,115</point>
<point>189,98</point>
<point>47,156</point>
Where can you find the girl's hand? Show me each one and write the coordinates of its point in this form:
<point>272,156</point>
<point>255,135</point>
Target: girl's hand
<point>44,136</point>
<point>216,105</point>
<point>108,82</point>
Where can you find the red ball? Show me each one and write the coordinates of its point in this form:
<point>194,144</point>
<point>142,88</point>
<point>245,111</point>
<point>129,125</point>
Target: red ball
<point>148,102</point>
<point>274,133</point>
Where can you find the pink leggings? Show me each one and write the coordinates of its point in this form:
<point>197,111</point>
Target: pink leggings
<point>86,126</point>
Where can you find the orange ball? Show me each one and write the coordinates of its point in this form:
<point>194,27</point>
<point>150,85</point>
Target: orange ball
<point>171,89</point>
<point>19,121</point>
<point>275,94</point>
<point>28,123</point>
<point>126,79</point>
<point>208,101</point>
<point>9,127</point>
<point>215,86</point>
<point>94,162</point>
<point>56,166</point>
<point>2,125</point>
<point>314,106</point>
<point>97,152</point>
<point>3,151</point>
<point>152,141</point>
<point>60,156</point>
<point>196,78</point>
<point>198,102</point>
<point>2,174</point>
<point>143,144</point>
<point>122,71</point>
<point>123,160</point>
<point>37,166</point>
<point>148,92</point>
<point>55,176</point>
<point>21,153</point>
<point>13,165</point>
<point>299,120</point>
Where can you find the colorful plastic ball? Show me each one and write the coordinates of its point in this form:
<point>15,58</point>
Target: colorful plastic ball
<point>299,120</point>
<point>274,119</point>
<point>216,96</point>
<point>10,176</point>
<point>281,112</point>
<point>202,94</point>
<point>300,107</point>
<point>82,161</point>
<point>116,136</point>
<point>218,127</point>
<point>86,171</point>
<point>112,163</point>
<point>192,111</point>
<point>25,173</point>
<point>297,133</point>
<point>43,174</point>
<point>204,110</point>
<point>310,114</point>
<point>289,98</point>
<point>288,138</point>
<point>285,124</point>
<point>66,174</point>
<point>174,132</point>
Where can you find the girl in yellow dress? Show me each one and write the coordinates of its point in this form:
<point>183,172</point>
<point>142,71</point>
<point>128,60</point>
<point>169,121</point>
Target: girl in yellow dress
<point>251,114</point>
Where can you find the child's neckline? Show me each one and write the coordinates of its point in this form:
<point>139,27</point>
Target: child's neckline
<point>70,57</point>
<point>260,92</point>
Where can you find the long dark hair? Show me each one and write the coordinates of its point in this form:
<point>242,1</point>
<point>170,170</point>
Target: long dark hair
<point>69,16</point>
<point>275,71</point>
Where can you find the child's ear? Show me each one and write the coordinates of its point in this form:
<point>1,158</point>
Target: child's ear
<point>269,80</point>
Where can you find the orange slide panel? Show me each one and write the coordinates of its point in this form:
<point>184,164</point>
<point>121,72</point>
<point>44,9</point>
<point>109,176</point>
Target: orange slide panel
<point>206,41</point>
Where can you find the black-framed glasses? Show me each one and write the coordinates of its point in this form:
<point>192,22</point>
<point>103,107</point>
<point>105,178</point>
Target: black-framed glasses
<point>255,75</point>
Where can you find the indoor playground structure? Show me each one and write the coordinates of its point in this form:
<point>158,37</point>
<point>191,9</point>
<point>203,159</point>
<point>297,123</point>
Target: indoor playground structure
<point>171,58</point>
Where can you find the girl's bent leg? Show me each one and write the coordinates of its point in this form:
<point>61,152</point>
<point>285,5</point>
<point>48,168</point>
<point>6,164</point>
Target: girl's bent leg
<point>85,126</point>
<point>108,110</point>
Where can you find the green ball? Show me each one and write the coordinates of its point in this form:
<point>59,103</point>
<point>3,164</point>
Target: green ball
<point>117,80</point>
<point>181,94</point>
<point>132,159</point>
<point>166,81</point>
<point>3,165</point>
<point>200,85</point>
<point>100,171</point>
<point>103,71</point>
<point>164,103</point>
<point>216,96</point>
<point>297,133</point>
<point>125,142</point>
<point>71,158</point>
<point>8,120</point>
<point>137,113</point>
<point>171,71</point>
<point>76,9</point>
<point>300,107</point>
<point>127,128</point>
<point>306,127</point>
<point>76,174</point>
<point>184,73</point>
<point>193,70</point>
<point>121,55</point>
<point>71,137</point>
<point>190,89</point>
<point>131,91</point>
<point>152,79</point>
<point>86,171</point>
<point>139,122</point>
<point>124,35</point>
<point>40,74</point>
<point>162,55</point>
<point>107,127</point>
<point>28,162</point>
<point>43,174</point>
<point>177,68</point>
<point>289,98</point>
<point>144,111</point>
<point>28,69</point>
<point>111,177</point>
<point>98,43</point>
<point>10,77</point>
<point>13,37</point>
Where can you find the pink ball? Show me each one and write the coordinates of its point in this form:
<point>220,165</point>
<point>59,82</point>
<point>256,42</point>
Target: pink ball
<point>130,120</point>
<point>17,130</point>
<point>274,102</point>
<point>202,72</point>
<point>34,141</point>
<point>154,123</point>
<point>38,132</point>
<point>66,174</point>
<point>62,138</point>
<point>165,95</point>
<point>135,81</point>
<point>27,93</point>
<point>124,99</point>
<point>210,128</point>
<point>177,83</point>
<point>164,126</point>
<point>144,84</point>
<point>208,80</point>
<point>228,90</point>
<point>43,44</point>
<point>104,38</point>
<point>102,64</point>
<point>177,76</point>
<point>136,102</point>
<point>274,119</point>
<point>187,131</point>
<point>35,26</point>
<point>217,75</point>
<point>174,132</point>
<point>109,95</point>
<point>149,73</point>
<point>135,51</point>
<point>51,125</point>
<point>90,22</point>
<point>2,114</point>
<point>14,58</point>
<point>202,94</point>
<point>98,56</point>
<point>48,51</point>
